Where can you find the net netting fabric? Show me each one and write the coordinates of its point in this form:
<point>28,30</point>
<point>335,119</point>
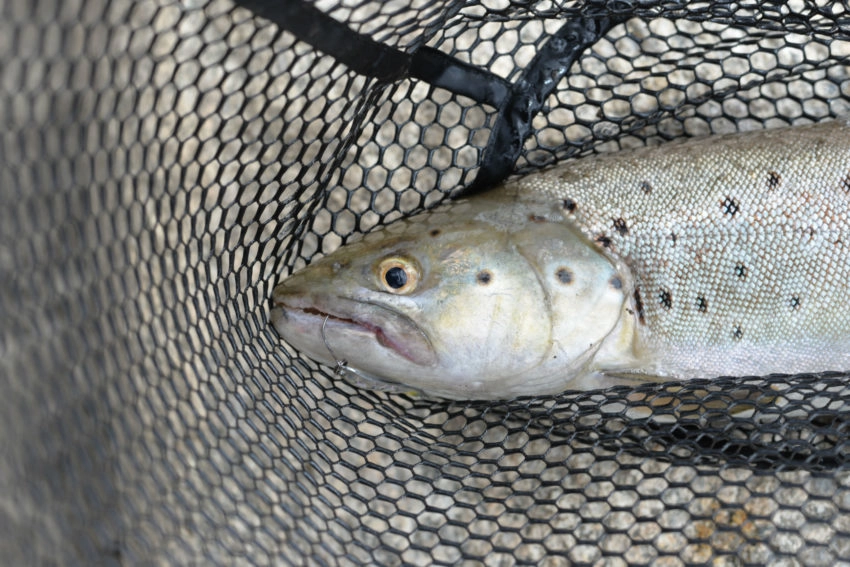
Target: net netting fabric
<point>164,164</point>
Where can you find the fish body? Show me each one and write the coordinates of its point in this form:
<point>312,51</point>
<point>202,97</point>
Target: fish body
<point>728,255</point>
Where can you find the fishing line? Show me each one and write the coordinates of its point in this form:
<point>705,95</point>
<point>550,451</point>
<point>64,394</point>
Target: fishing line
<point>340,363</point>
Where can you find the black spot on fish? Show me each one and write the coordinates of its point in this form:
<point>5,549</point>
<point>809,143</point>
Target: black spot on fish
<point>569,205</point>
<point>741,271</point>
<point>564,275</point>
<point>702,304</point>
<point>639,306</point>
<point>484,277</point>
<point>794,303</point>
<point>536,218</point>
<point>646,187</point>
<point>616,282</point>
<point>435,232</point>
<point>737,333</point>
<point>845,183</point>
<point>665,299</point>
<point>674,237</point>
<point>603,240</point>
<point>730,206</point>
<point>620,226</point>
<point>773,180</point>
<point>809,231</point>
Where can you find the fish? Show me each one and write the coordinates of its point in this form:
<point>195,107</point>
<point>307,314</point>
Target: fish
<point>727,255</point>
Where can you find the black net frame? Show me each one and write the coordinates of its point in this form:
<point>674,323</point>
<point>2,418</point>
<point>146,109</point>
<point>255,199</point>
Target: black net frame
<point>164,164</point>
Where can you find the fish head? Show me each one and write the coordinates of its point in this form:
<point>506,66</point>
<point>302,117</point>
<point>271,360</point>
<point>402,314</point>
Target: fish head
<point>457,302</point>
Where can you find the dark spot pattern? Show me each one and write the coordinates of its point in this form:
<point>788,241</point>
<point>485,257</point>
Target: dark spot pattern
<point>603,240</point>
<point>674,237</point>
<point>484,277</point>
<point>536,218</point>
<point>730,206</point>
<point>702,304</point>
<point>616,282</point>
<point>569,205</point>
<point>435,232</point>
<point>620,226</point>
<point>737,333</point>
<point>646,187</point>
<point>773,180</point>
<point>564,275</point>
<point>741,271</point>
<point>665,299</point>
<point>794,303</point>
<point>845,183</point>
<point>639,306</point>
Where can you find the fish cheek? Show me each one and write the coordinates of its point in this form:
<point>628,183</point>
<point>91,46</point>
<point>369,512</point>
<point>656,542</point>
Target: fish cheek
<point>586,313</point>
<point>494,324</point>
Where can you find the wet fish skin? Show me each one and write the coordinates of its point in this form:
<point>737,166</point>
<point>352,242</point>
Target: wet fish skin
<point>492,315</point>
<point>720,256</point>
<point>738,247</point>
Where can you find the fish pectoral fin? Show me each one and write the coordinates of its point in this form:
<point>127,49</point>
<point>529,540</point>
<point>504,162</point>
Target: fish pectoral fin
<point>600,380</point>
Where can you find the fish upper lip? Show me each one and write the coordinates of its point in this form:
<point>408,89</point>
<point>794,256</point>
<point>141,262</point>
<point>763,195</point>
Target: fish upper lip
<point>344,316</point>
<point>329,316</point>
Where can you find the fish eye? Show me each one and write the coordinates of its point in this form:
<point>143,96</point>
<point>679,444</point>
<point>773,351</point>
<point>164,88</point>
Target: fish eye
<point>398,275</point>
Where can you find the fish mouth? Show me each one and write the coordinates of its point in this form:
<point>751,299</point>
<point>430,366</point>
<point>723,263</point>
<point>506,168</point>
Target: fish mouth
<point>390,329</point>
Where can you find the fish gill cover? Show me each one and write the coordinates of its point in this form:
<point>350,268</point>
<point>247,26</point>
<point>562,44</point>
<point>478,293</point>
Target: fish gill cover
<point>164,164</point>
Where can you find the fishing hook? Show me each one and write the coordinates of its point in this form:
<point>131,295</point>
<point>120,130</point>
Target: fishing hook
<point>340,363</point>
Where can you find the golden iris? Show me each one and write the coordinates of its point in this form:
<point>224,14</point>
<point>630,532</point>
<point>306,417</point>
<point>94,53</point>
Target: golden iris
<point>398,275</point>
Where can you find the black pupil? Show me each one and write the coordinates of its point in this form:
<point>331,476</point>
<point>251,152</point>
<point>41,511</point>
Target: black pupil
<point>396,277</point>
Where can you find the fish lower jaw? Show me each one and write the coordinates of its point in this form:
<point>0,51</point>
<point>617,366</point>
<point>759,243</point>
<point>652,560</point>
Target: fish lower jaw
<point>313,319</point>
<point>379,333</point>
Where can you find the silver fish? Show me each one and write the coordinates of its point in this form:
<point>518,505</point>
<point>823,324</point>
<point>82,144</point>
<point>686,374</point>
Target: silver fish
<point>728,255</point>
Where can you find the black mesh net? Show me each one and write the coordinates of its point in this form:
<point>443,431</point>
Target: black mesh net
<point>164,164</point>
